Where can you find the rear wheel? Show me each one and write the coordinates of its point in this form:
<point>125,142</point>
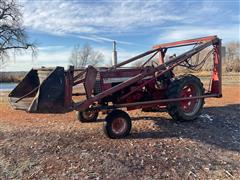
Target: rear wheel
<point>117,124</point>
<point>185,86</point>
<point>87,116</point>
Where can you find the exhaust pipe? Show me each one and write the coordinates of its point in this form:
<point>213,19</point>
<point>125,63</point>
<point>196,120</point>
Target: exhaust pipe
<point>114,54</point>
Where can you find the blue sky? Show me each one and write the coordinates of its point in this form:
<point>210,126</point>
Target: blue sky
<point>57,25</point>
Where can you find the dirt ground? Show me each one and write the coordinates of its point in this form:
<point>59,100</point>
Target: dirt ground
<point>34,146</point>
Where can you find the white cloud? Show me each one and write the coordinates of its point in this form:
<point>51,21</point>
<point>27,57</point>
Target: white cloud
<point>50,48</point>
<point>97,21</point>
<point>102,39</point>
<point>64,17</point>
<point>187,32</point>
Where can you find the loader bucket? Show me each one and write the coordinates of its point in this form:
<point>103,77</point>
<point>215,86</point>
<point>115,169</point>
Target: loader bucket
<point>40,91</point>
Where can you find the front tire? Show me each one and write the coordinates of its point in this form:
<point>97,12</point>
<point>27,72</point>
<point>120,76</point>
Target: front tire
<point>185,86</point>
<point>117,124</point>
<point>87,116</point>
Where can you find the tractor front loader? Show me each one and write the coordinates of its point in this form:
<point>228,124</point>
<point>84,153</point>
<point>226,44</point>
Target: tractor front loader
<point>113,89</point>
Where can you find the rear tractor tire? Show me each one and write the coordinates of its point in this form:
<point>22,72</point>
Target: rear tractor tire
<point>185,86</point>
<point>117,124</point>
<point>87,116</point>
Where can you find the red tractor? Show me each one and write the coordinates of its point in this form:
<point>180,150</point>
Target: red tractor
<point>149,87</point>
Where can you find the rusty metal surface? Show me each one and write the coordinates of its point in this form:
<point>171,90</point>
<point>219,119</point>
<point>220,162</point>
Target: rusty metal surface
<point>90,79</point>
<point>185,42</point>
<point>45,96</point>
<point>27,85</point>
<point>144,104</point>
<point>69,79</point>
<point>50,96</point>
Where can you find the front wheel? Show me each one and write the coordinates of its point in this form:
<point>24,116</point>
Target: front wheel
<point>87,116</point>
<point>185,86</point>
<point>117,124</point>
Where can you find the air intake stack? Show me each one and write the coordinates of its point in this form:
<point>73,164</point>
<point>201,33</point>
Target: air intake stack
<point>114,54</point>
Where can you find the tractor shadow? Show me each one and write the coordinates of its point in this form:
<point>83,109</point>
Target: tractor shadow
<point>219,126</point>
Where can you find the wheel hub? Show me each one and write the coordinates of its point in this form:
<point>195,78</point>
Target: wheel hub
<point>188,106</point>
<point>119,125</point>
<point>88,114</point>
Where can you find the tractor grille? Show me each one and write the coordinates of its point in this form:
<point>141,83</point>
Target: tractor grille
<point>97,87</point>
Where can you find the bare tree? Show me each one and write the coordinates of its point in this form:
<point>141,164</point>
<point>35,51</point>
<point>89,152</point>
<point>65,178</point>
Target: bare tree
<point>12,33</point>
<point>86,55</point>
<point>233,57</point>
<point>74,57</point>
<point>233,50</point>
